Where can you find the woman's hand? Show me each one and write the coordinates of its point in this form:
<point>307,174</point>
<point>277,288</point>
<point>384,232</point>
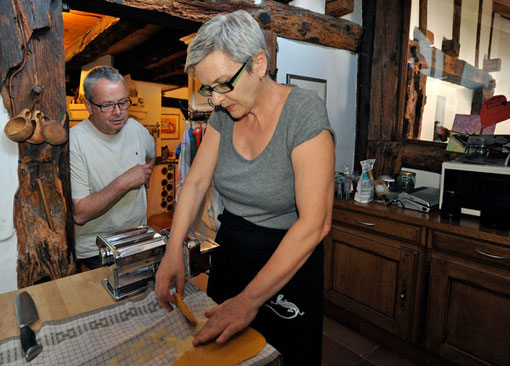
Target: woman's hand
<point>171,269</point>
<point>227,319</point>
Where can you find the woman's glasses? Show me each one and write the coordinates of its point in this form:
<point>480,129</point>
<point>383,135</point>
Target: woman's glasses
<point>222,88</point>
<point>109,107</point>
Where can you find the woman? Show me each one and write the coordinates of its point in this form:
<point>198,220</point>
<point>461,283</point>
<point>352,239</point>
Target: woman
<point>269,149</point>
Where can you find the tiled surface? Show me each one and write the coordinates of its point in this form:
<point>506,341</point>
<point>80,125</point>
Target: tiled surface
<point>342,346</point>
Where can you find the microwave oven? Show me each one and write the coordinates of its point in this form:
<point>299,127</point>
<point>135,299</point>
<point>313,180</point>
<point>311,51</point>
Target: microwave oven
<point>482,190</point>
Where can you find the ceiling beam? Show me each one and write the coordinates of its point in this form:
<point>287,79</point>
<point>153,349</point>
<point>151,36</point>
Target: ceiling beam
<point>162,72</point>
<point>100,38</point>
<point>286,21</point>
<point>156,51</point>
<point>502,7</point>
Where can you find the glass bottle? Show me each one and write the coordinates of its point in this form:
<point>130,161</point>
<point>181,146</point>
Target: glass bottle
<point>405,181</point>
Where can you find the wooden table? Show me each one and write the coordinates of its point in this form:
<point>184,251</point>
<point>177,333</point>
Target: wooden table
<point>57,299</point>
<point>67,297</point>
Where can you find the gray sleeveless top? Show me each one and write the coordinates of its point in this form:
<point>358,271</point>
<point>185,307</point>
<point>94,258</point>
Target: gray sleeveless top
<point>262,190</point>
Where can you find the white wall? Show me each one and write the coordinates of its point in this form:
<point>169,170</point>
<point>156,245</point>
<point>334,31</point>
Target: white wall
<point>317,6</point>
<point>339,68</point>
<point>8,187</point>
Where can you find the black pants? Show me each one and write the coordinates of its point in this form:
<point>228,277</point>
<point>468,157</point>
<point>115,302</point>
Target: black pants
<point>92,262</point>
<point>291,321</point>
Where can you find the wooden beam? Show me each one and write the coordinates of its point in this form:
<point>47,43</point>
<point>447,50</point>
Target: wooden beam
<point>365,57</point>
<point>284,20</point>
<point>489,48</point>
<point>338,8</point>
<point>45,246</point>
<point>10,40</point>
<point>272,48</point>
<point>391,156</point>
<point>502,7</point>
<point>93,44</point>
<point>415,102</point>
<point>457,14</point>
<point>386,73</point>
<point>478,32</point>
<point>451,47</point>
<point>447,68</point>
<point>160,73</point>
<point>159,50</point>
<point>491,65</point>
<point>423,20</point>
<point>423,16</point>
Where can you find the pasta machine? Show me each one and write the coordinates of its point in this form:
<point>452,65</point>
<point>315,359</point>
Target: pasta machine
<point>134,255</point>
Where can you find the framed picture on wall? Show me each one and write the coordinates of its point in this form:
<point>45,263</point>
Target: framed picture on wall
<point>305,82</point>
<point>169,126</point>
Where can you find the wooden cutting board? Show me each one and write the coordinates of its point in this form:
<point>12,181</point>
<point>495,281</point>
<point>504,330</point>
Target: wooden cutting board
<point>239,348</point>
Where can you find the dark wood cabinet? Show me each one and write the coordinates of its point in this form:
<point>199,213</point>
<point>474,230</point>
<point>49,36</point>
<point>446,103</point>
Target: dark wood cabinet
<point>468,317</point>
<point>374,277</point>
<point>440,288</point>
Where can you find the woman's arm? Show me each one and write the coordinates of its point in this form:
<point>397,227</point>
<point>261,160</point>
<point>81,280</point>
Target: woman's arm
<point>313,162</point>
<point>190,198</point>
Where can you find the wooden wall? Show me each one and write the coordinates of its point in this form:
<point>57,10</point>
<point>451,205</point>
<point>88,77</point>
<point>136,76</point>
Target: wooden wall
<point>32,76</point>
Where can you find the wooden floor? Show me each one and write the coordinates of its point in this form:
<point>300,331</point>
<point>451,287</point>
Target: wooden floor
<point>342,346</point>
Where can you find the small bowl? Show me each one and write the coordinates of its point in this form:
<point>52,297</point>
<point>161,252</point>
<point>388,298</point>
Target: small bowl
<point>37,137</point>
<point>53,132</point>
<point>21,127</point>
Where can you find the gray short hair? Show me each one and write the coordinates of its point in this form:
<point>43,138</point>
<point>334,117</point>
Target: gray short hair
<point>98,73</point>
<point>237,34</point>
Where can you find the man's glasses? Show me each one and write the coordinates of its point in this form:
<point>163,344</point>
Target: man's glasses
<point>222,88</point>
<point>109,107</point>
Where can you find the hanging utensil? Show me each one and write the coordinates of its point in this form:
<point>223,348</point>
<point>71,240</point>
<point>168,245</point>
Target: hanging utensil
<point>20,127</point>
<point>37,137</point>
<point>53,132</point>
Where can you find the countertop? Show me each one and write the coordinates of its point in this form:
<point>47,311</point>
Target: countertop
<point>467,225</point>
<point>57,299</point>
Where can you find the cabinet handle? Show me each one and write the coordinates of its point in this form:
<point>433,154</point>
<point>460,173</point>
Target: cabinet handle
<point>403,296</point>
<point>364,223</point>
<point>492,255</point>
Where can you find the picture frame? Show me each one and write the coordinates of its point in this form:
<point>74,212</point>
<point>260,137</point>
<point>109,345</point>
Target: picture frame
<point>317,85</point>
<point>169,126</point>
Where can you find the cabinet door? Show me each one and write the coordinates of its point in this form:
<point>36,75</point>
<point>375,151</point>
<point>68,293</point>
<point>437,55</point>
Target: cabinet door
<point>373,277</point>
<point>468,318</point>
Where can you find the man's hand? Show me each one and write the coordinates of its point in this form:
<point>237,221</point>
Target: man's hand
<point>138,175</point>
<point>98,203</point>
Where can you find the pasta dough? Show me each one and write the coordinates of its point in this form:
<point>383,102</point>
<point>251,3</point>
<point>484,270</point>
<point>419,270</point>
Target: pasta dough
<point>239,348</point>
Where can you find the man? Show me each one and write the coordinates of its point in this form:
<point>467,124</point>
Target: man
<point>111,158</point>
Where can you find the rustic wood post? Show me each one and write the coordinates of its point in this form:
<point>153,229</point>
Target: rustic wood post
<point>451,47</point>
<point>423,20</point>
<point>32,76</point>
